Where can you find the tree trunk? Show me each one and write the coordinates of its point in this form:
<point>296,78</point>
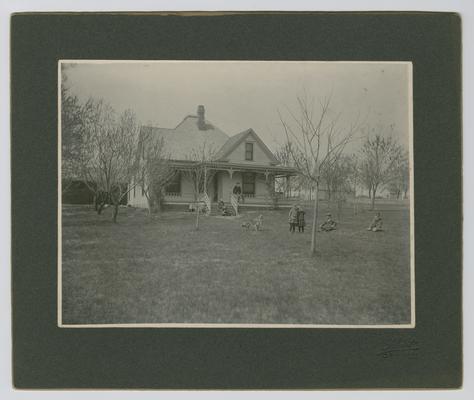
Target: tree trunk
<point>158,203</point>
<point>374,191</point>
<point>150,204</point>
<point>339,210</point>
<point>197,216</point>
<point>100,207</point>
<point>315,220</point>
<point>355,200</point>
<point>116,208</point>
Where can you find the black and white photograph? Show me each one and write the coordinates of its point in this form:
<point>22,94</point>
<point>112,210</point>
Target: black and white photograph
<point>266,194</point>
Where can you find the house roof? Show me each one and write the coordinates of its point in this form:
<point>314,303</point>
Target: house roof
<point>186,137</point>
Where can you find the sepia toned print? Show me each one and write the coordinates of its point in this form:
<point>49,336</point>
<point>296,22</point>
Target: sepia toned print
<point>235,194</point>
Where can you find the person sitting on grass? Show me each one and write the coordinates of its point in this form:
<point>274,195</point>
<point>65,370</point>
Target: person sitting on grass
<point>328,225</point>
<point>292,218</point>
<point>300,219</point>
<point>376,225</point>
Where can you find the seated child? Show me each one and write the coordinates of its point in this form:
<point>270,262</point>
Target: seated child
<point>226,211</point>
<point>328,225</point>
<point>220,205</point>
<point>376,225</point>
<point>223,209</point>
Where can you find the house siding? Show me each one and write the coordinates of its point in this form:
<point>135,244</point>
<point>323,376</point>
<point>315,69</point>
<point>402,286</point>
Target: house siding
<point>227,184</point>
<point>136,198</point>
<point>259,156</point>
<point>187,194</point>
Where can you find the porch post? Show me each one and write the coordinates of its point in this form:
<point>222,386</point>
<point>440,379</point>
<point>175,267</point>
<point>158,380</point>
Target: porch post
<point>267,173</point>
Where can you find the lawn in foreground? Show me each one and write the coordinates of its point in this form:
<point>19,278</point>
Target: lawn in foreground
<point>160,270</point>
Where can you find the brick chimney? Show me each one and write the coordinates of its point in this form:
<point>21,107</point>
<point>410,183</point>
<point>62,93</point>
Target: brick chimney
<point>201,118</point>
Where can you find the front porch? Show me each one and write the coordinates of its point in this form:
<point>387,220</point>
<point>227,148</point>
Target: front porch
<point>257,184</point>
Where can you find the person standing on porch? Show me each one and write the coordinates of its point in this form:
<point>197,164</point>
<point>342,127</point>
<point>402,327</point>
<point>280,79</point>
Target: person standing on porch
<point>237,191</point>
<point>293,218</point>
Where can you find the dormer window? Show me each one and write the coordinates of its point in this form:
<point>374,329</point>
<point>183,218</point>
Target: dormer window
<point>249,151</point>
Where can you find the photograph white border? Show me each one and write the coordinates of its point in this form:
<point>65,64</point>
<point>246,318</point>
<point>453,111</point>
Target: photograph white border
<point>412,323</point>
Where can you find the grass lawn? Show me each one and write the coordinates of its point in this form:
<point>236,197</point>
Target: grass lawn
<point>160,270</point>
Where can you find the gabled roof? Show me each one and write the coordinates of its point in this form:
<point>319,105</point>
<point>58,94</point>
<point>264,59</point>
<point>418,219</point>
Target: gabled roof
<point>234,142</point>
<point>230,145</point>
<point>189,125</point>
<point>186,137</point>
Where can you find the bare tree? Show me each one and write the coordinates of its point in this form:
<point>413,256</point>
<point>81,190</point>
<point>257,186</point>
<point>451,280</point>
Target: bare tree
<point>272,191</point>
<point>335,176</point>
<point>122,168</point>
<point>98,124</point>
<point>354,178</point>
<point>289,185</point>
<point>308,132</point>
<point>378,165</point>
<point>108,153</point>
<point>154,170</point>
<point>283,155</point>
<point>71,133</point>
<point>199,173</point>
<point>400,183</point>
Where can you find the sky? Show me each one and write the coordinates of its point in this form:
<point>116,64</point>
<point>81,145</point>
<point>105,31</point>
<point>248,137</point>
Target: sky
<point>242,95</point>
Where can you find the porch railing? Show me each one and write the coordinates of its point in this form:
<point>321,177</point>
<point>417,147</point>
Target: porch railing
<point>234,201</point>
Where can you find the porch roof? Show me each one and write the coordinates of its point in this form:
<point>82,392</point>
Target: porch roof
<point>237,167</point>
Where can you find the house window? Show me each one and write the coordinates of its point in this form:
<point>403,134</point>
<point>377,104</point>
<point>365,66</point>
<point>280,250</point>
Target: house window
<point>248,183</point>
<point>174,187</point>
<point>249,151</point>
